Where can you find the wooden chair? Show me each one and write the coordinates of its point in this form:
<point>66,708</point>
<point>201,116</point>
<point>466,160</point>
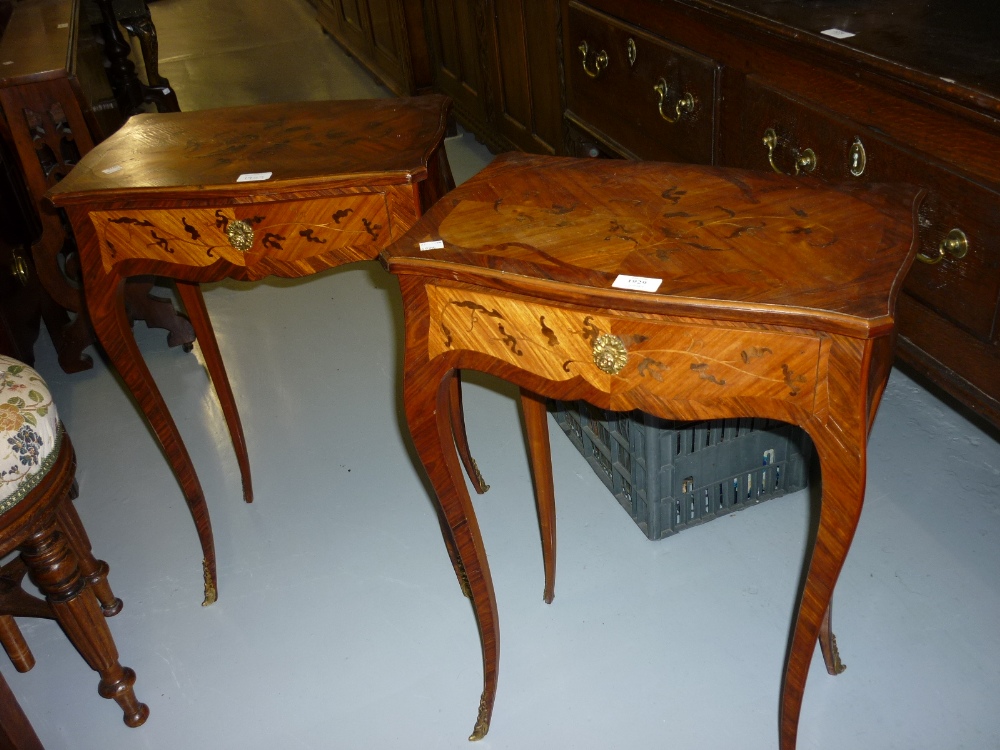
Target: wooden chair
<point>37,518</point>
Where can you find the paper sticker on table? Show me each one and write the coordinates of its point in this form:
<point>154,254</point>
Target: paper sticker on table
<point>112,170</point>
<point>637,283</point>
<point>838,33</point>
<point>432,245</point>
<point>254,177</point>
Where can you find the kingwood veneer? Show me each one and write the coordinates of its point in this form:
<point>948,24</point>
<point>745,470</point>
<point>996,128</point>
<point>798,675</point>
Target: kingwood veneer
<point>775,299</point>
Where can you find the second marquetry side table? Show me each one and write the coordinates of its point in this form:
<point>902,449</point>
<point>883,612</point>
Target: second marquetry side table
<point>686,292</point>
<point>243,193</point>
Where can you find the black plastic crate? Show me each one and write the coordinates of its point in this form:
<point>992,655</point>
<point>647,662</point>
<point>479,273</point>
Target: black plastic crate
<point>672,475</point>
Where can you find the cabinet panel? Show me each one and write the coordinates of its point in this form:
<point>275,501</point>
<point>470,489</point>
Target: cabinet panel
<point>526,108</point>
<point>386,36</point>
<point>655,98</point>
<point>499,61</point>
<point>455,41</point>
<point>965,290</point>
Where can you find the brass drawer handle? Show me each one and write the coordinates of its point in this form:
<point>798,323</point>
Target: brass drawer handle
<point>610,354</point>
<point>955,244</point>
<point>685,104</point>
<point>805,160</point>
<point>600,60</point>
<point>240,234</point>
<point>19,268</point>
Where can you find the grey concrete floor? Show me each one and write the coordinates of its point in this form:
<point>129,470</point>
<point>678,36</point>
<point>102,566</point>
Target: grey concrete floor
<point>340,623</point>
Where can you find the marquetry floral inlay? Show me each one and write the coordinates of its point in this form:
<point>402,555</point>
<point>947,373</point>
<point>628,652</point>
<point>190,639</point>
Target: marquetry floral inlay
<point>679,357</point>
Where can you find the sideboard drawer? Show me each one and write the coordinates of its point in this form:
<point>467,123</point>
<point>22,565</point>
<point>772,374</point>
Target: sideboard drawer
<point>639,90</point>
<point>821,144</point>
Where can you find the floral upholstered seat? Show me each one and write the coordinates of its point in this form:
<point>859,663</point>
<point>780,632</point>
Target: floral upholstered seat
<point>30,431</point>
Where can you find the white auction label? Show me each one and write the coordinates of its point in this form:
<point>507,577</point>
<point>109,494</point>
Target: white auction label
<point>112,170</point>
<point>838,33</point>
<point>638,283</point>
<point>254,177</point>
<point>432,245</point>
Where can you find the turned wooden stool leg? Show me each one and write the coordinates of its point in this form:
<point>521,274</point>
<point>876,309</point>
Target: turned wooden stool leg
<point>94,571</point>
<point>15,645</point>
<point>53,568</point>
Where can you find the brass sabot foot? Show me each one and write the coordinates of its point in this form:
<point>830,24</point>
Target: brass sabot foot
<point>482,723</point>
<point>838,665</point>
<point>481,485</point>
<point>211,595</point>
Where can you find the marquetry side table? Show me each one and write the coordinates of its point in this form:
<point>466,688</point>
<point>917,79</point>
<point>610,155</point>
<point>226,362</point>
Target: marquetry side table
<point>687,292</point>
<point>243,193</point>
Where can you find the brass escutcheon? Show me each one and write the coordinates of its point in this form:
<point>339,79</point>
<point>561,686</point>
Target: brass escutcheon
<point>240,235</point>
<point>858,158</point>
<point>610,354</point>
<point>631,51</point>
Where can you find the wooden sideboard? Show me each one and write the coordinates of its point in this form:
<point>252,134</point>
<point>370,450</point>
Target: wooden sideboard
<point>895,92</point>
<point>386,36</point>
<point>499,61</point>
<point>910,94</point>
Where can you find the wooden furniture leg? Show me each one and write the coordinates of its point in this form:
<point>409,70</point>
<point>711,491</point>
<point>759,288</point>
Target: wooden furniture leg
<point>427,415</point>
<point>15,645</point>
<point>107,314</point>
<point>53,568</point>
<point>157,89</point>
<point>194,303</point>
<point>536,430</point>
<point>16,732</point>
<point>457,412</point>
<point>842,461</point>
<point>93,571</point>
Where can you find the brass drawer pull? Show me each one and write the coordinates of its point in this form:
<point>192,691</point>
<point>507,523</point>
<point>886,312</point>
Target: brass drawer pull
<point>685,104</point>
<point>600,60</point>
<point>955,244</point>
<point>240,234</point>
<point>19,268</point>
<point>610,354</point>
<point>631,52</point>
<point>805,160</point>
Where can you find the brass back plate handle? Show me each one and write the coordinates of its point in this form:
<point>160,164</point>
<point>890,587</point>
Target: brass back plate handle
<point>600,60</point>
<point>685,104</point>
<point>955,244</point>
<point>805,160</point>
<point>19,268</point>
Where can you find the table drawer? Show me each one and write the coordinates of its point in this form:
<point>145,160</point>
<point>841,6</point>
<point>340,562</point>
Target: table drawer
<point>283,232</point>
<point>655,98</point>
<point>675,359</point>
<point>965,289</point>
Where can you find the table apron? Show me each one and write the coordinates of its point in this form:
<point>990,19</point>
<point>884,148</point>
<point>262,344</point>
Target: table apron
<point>675,359</point>
<point>282,232</point>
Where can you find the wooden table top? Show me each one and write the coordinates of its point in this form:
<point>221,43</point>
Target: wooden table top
<point>183,155</point>
<point>727,244</point>
<point>34,44</point>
